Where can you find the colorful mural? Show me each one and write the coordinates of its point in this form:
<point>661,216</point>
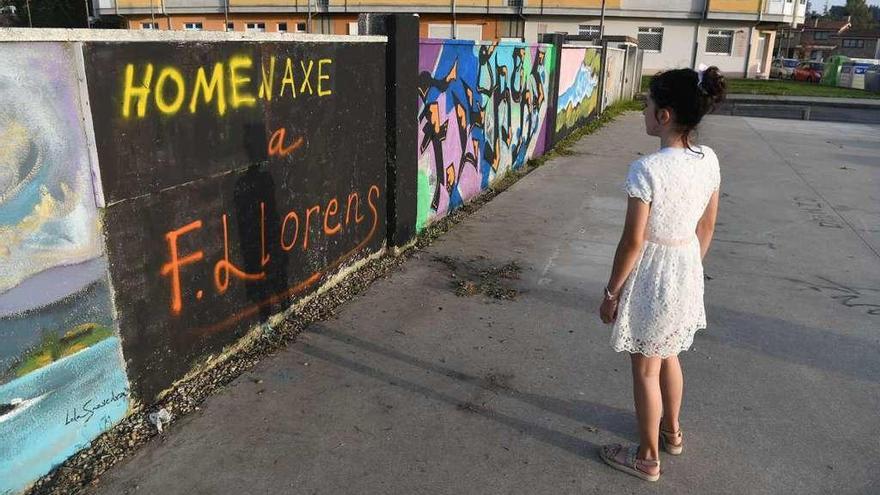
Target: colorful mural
<point>482,113</point>
<point>62,380</point>
<point>579,70</point>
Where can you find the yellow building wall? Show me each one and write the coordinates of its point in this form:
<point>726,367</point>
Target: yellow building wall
<point>138,4</point>
<point>737,6</point>
<point>574,4</point>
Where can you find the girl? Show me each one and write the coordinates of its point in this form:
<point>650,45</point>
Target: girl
<point>655,293</point>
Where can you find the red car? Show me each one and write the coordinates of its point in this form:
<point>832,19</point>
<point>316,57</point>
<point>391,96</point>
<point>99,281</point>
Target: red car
<point>808,71</point>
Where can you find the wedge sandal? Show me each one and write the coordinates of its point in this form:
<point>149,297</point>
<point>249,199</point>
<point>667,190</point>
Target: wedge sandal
<point>672,441</point>
<point>624,459</point>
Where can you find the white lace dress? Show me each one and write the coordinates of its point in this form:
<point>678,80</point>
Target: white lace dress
<point>661,304</point>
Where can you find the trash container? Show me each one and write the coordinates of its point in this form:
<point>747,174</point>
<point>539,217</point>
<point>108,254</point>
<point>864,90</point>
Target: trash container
<point>832,69</point>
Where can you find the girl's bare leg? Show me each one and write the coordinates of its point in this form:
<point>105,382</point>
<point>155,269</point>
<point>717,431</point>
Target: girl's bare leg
<point>649,403</point>
<point>671,388</point>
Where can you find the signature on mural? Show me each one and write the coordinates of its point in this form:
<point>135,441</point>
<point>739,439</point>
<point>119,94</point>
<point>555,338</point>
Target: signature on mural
<point>90,407</point>
<point>481,113</point>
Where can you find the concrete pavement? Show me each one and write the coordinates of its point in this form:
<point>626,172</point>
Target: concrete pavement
<point>414,389</point>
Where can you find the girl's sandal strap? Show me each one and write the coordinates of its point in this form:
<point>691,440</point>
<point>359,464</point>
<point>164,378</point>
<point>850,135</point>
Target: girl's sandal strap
<point>630,463</point>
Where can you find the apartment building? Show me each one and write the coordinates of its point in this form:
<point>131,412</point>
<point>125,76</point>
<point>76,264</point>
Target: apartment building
<point>735,35</point>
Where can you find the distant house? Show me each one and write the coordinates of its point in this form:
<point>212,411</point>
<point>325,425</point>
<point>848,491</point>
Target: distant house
<point>816,39</point>
<point>858,44</point>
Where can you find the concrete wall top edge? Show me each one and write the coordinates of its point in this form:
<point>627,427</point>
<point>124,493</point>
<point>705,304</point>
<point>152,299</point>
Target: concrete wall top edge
<point>126,35</point>
<point>445,41</point>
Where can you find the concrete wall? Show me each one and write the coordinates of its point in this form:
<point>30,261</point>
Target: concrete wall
<point>482,113</point>
<point>163,194</point>
<point>160,195</point>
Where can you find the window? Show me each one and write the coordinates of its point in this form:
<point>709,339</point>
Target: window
<point>591,32</point>
<point>803,2</point>
<point>255,27</point>
<point>282,27</point>
<point>193,26</point>
<point>352,28</point>
<point>651,39</point>
<point>230,26</point>
<point>719,42</point>
<point>149,25</point>
<point>853,43</point>
<point>514,3</point>
<point>300,27</point>
<point>820,35</point>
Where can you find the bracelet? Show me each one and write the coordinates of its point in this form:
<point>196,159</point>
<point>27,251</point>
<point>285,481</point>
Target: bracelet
<point>609,295</point>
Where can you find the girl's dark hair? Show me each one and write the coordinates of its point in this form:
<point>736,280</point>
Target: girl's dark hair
<point>689,98</point>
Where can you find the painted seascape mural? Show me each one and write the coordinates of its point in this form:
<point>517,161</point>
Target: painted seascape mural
<point>482,113</point>
<point>62,380</point>
<point>579,70</point>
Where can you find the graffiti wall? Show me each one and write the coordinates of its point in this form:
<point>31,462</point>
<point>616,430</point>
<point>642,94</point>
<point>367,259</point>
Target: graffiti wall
<point>614,67</point>
<point>482,113</point>
<point>62,380</point>
<point>578,102</point>
<point>237,176</point>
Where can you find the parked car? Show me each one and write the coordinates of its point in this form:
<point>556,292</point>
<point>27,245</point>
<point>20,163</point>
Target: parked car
<point>809,72</point>
<point>783,68</point>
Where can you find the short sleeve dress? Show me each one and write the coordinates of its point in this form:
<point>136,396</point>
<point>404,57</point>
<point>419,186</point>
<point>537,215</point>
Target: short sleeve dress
<point>661,305</point>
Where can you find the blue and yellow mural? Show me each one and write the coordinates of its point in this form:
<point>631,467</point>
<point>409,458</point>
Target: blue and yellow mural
<point>579,70</point>
<point>62,378</point>
<point>482,113</point>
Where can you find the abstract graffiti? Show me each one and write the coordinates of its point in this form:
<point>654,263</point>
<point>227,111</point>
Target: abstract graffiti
<point>579,70</point>
<point>62,381</point>
<point>482,113</point>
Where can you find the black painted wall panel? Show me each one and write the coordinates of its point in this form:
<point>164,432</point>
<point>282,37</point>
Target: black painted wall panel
<point>171,177</point>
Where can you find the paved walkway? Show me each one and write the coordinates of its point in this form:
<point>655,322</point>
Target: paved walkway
<point>414,389</point>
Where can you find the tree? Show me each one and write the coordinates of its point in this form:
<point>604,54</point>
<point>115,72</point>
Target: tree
<point>860,13</point>
<point>52,13</point>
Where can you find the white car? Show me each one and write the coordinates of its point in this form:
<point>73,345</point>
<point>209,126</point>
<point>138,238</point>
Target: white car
<point>783,68</point>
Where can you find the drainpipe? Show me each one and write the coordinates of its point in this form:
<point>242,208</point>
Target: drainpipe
<point>152,13</point>
<point>454,33</point>
<point>309,23</point>
<point>602,23</point>
<point>703,16</point>
<point>30,21</point>
<point>226,15</point>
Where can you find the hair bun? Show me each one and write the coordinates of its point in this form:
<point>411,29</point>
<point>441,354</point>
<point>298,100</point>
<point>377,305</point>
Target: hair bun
<point>713,84</point>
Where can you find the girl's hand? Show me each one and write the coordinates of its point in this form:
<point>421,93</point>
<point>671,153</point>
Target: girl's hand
<point>608,310</point>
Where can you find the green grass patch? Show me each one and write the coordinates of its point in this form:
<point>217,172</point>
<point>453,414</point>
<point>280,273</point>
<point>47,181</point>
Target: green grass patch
<point>784,88</point>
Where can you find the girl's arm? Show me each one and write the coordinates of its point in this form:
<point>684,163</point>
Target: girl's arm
<point>628,251</point>
<point>631,241</point>
<point>706,225</point>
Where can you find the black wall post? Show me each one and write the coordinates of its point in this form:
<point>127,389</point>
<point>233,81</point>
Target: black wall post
<point>557,40</point>
<point>401,107</point>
